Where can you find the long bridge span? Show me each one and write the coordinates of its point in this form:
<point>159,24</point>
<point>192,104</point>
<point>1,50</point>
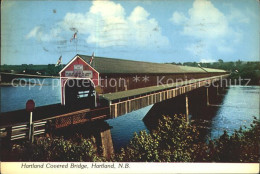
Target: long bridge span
<point>98,101</point>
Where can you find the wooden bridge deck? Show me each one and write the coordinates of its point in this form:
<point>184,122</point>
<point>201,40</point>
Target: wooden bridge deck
<point>128,101</point>
<point>141,91</point>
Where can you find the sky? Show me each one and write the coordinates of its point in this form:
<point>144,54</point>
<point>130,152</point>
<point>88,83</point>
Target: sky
<point>39,32</point>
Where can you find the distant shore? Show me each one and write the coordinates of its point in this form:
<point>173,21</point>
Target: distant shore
<point>8,84</point>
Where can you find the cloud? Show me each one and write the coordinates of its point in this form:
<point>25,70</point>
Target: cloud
<point>238,15</point>
<point>144,31</point>
<point>33,33</point>
<point>179,18</point>
<point>106,24</point>
<point>207,60</point>
<point>38,32</point>
<point>206,23</point>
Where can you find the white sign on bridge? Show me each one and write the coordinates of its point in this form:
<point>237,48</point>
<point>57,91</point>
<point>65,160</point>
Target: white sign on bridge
<point>85,74</point>
<point>78,67</point>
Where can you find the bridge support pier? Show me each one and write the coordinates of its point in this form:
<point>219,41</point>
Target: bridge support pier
<point>107,144</point>
<point>187,108</point>
<point>207,96</point>
<point>104,140</point>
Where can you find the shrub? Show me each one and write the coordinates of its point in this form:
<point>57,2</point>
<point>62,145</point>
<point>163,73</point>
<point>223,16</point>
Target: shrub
<point>172,141</point>
<point>141,148</point>
<point>241,146</point>
<point>176,141</point>
<point>48,149</point>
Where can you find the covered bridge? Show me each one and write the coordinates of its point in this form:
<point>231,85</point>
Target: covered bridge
<point>112,78</point>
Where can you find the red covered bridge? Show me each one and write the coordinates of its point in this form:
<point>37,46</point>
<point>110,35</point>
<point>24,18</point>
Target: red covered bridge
<point>117,81</point>
<point>108,88</point>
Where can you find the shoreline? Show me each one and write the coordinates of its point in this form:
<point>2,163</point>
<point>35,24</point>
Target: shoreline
<point>9,84</point>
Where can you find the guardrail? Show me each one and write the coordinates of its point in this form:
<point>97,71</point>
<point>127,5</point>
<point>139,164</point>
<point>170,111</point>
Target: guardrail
<point>21,130</point>
<point>41,127</point>
<point>77,117</point>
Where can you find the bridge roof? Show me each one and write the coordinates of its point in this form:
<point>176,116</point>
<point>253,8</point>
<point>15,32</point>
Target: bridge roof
<point>111,65</point>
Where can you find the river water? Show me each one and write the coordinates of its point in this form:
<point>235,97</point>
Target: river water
<point>237,108</point>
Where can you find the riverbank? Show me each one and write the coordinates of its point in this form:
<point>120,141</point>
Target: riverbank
<point>18,84</point>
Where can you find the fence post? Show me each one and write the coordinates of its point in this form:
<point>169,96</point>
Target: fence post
<point>9,132</point>
<point>30,105</point>
<point>187,108</point>
<point>49,128</point>
<point>32,133</point>
<point>207,91</point>
<point>30,127</point>
<point>217,90</point>
<point>8,137</point>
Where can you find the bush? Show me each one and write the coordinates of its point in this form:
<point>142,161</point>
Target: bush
<point>172,141</point>
<point>176,141</point>
<point>141,148</point>
<point>241,146</point>
<point>48,149</point>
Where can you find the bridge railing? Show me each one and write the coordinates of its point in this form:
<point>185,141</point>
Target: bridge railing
<point>21,130</point>
<point>41,127</point>
<point>80,116</point>
<point>126,106</point>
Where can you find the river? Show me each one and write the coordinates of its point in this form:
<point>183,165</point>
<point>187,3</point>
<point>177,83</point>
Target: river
<point>237,108</point>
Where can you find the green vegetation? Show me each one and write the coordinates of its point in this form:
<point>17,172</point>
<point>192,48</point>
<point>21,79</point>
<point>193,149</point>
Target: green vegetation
<point>244,70</point>
<point>50,69</point>
<point>53,149</point>
<point>173,141</point>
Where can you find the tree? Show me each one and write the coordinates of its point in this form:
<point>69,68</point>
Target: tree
<point>220,61</point>
<point>56,149</point>
<point>142,147</point>
<point>176,141</point>
<point>172,141</point>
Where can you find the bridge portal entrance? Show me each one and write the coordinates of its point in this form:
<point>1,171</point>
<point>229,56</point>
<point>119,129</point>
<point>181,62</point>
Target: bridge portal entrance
<point>78,80</point>
<point>80,93</point>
